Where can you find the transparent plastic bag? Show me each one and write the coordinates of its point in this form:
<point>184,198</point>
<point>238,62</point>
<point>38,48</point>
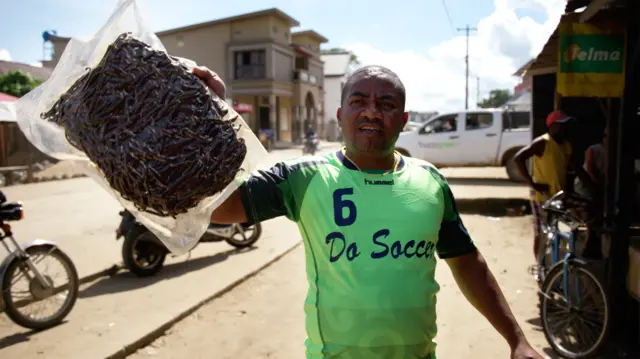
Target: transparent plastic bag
<point>180,232</point>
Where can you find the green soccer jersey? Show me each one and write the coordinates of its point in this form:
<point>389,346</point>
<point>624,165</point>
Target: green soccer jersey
<point>370,244</point>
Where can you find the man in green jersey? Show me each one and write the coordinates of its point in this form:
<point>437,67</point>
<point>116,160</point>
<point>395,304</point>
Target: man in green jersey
<point>372,221</point>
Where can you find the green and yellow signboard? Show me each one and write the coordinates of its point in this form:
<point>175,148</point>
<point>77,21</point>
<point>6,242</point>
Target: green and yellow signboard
<point>591,61</point>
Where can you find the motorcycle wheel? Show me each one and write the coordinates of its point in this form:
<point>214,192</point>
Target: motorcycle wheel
<point>36,290</point>
<point>240,240</point>
<point>142,256</point>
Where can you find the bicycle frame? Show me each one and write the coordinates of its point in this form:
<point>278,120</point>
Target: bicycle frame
<point>558,238</point>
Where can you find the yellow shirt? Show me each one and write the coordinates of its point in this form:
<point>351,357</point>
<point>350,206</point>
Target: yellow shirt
<point>551,167</point>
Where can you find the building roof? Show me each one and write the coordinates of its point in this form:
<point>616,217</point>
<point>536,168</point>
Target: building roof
<point>548,57</point>
<point>7,98</point>
<point>336,64</point>
<point>40,73</point>
<point>268,12</point>
<point>311,34</point>
<point>524,68</point>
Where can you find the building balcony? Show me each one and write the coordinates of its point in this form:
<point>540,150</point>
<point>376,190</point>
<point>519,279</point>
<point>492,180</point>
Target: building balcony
<point>303,76</point>
<point>250,73</point>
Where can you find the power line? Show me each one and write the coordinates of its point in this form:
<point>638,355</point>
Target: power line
<point>467,29</point>
<point>446,10</point>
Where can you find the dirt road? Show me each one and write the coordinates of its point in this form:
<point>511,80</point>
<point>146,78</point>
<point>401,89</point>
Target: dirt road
<point>263,318</point>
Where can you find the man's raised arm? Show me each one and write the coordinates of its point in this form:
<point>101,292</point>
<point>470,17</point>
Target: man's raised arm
<point>230,211</point>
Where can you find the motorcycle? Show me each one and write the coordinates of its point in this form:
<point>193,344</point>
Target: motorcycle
<point>310,145</point>
<point>144,254</point>
<point>21,263</point>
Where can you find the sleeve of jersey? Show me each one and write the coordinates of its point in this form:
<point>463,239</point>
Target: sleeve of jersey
<point>453,239</point>
<point>263,193</point>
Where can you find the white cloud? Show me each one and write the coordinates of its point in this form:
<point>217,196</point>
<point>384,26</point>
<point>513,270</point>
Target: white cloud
<point>4,55</point>
<point>501,45</point>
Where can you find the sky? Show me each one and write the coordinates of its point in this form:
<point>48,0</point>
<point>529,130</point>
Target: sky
<point>415,38</point>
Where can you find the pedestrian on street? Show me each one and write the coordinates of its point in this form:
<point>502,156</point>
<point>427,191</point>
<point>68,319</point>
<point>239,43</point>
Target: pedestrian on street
<point>551,154</point>
<point>372,221</point>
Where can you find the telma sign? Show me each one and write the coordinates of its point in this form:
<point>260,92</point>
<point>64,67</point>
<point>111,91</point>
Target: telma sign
<point>592,53</point>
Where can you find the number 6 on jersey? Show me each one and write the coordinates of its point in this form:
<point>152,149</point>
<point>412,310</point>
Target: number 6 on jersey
<point>340,204</point>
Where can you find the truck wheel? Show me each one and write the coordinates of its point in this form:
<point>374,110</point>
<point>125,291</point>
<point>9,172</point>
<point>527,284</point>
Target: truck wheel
<point>512,169</point>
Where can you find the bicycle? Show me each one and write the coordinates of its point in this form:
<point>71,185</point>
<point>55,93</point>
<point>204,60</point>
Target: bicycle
<point>574,322</point>
<point>557,242</point>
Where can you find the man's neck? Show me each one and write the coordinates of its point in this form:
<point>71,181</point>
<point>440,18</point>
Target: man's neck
<point>365,161</point>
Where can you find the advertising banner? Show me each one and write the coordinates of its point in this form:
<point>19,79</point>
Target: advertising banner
<point>591,61</point>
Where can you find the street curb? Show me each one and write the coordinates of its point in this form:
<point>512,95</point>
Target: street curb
<point>158,332</point>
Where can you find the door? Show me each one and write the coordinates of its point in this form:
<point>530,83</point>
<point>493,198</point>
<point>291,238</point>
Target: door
<point>439,140</point>
<point>265,122</point>
<point>480,138</point>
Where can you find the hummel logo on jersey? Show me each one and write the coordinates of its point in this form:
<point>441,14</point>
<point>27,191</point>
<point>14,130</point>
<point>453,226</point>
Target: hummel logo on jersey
<point>379,182</point>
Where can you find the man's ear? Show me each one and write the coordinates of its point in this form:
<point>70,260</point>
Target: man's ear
<point>339,114</point>
<point>405,119</point>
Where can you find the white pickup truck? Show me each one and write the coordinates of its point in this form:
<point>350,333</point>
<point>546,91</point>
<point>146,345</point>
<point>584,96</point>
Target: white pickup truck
<point>483,137</point>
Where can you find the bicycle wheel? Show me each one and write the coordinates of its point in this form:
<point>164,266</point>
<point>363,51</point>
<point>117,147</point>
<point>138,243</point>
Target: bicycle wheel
<point>574,310</point>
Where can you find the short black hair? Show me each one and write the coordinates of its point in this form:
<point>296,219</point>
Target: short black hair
<point>353,77</point>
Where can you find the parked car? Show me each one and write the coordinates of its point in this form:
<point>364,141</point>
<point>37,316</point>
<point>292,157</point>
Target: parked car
<point>483,137</point>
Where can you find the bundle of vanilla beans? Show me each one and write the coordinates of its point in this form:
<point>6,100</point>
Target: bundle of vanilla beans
<point>152,128</point>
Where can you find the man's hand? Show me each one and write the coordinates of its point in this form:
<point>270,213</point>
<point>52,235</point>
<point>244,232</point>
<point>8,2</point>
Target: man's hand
<point>212,80</point>
<point>525,351</point>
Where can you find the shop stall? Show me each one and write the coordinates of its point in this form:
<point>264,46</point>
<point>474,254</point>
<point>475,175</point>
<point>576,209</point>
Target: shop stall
<point>590,69</point>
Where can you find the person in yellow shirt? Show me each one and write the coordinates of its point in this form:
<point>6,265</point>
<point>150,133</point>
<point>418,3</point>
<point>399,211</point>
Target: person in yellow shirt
<point>551,154</point>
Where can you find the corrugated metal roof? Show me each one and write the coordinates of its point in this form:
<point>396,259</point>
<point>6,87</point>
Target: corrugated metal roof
<point>41,73</point>
<point>336,64</point>
<point>524,68</point>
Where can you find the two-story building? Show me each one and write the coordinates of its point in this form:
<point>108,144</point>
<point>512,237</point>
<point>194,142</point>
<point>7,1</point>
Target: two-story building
<point>275,74</point>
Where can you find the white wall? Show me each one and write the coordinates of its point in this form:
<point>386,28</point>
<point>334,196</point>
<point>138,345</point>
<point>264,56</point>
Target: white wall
<point>332,93</point>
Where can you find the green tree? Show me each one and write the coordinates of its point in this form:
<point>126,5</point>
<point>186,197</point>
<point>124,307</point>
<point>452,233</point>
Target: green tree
<point>17,83</point>
<point>497,98</point>
<point>352,61</point>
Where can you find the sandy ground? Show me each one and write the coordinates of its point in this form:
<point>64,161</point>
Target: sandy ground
<point>263,318</point>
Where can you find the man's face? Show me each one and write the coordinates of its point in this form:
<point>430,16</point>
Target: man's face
<point>558,131</point>
<point>372,113</point>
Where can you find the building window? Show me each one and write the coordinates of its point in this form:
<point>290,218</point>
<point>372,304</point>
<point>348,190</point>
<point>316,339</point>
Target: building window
<point>250,65</point>
<point>302,63</point>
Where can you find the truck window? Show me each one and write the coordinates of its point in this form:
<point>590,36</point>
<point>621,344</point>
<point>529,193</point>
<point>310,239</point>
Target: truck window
<point>515,119</point>
<point>447,123</point>
<point>478,121</point>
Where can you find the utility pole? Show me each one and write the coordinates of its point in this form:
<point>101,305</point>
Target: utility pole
<point>467,29</point>
<point>478,91</point>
